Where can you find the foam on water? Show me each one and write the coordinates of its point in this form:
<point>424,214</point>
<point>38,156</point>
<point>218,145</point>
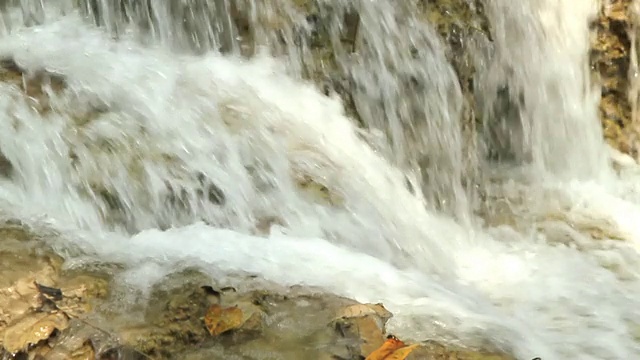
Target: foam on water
<point>250,129</point>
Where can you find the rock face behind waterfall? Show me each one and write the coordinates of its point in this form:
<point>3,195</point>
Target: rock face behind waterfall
<point>462,26</point>
<point>614,64</point>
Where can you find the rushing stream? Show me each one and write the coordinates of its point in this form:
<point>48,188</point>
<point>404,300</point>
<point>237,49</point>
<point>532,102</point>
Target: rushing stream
<point>168,148</point>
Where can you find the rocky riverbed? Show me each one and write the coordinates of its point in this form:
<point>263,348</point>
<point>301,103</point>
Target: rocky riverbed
<point>50,309</point>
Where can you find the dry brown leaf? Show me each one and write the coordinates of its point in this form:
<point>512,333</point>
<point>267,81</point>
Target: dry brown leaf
<point>402,353</point>
<point>390,345</point>
<point>32,329</point>
<point>18,293</point>
<point>219,319</point>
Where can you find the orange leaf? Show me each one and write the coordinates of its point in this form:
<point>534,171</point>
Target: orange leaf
<point>392,344</point>
<point>219,319</point>
<point>402,353</point>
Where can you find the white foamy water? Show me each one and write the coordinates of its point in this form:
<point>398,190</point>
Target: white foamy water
<point>141,135</point>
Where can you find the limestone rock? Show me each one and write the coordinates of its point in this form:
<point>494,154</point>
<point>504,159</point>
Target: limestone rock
<point>22,267</point>
<point>288,323</point>
<point>620,160</point>
<point>459,22</point>
<point>39,301</point>
<point>6,168</point>
<point>437,351</point>
<point>31,329</point>
<point>611,62</point>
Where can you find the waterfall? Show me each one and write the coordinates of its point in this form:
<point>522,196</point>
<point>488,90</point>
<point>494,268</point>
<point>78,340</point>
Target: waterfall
<point>340,144</point>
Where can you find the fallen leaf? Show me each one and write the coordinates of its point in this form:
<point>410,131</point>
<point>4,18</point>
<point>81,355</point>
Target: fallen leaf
<point>32,329</point>
<point>390,345</point>
<point>402,353</point>
<point>219,319</point>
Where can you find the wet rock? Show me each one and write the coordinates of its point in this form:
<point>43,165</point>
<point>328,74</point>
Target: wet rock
<point>123,353</point>
<point>435,351</point>
<point>181,201</point>
<point>613,67</point>
<point>46,312</point>
<point>459,22</point>
<point>77,342</point>
<point>198,322</point>
<point>215,195</point>
<point>173,317</point>
<point>6,168</point>
<point>264,224</point>
<point>363,326</point>
<point>335,33</point>
<point>39,302</point>
<point>31,329</point>
<point>503,130</point>
<point>21,270</point>
<point>38,86</point>
<point>620,160</point>
<point>318,191</point>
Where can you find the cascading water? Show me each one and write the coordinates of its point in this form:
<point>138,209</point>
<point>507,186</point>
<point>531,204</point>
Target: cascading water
<point>156,119</point>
